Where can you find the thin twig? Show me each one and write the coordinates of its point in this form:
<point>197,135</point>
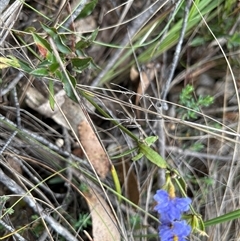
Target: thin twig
<point>18,115</point>
<point>8,142</point>
<point>176,54</point>
<point>75,13</point>
<point>12,230</point>
<point>8,19</point>
<point>174,149</point>
<point>12,84</point>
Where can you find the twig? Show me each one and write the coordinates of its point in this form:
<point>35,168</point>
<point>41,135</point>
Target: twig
<point>12,230</point>
<point>15,99</point>
<point>18,121</point>
<point>8,19</point>
<point>68,197</point>
<point>15,188</point>
<point>176,54</point>
<point>12,84</point>
<point>180,151</point>
<point>8,142</point>
<point>137,24</point>
<point>75,13</point>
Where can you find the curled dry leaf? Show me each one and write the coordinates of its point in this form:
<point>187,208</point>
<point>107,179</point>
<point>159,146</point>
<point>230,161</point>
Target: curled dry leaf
<point>142,87</point>
<point>94,150</point>
<point>145,79</point>
<point>133,73</point>
<point>104,225</point>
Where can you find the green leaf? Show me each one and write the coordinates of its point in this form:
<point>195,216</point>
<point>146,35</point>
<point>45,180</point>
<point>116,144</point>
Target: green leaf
<point>94,34</point>
<point>42,44</point>
<point>55,180</point>
<point>125,153</point>
<point>30,29</point>
<point>53,67</point>
<point>116,182</point>
<point>152,155</point>
<point>137,157</point>
<point>223,218</point>
<point>44,64</point>
<point>84,43</point>
<point>198,41</point>
<point>49,30</point>
<point>9,211</point>
<point>40,72</point>
<point>66,85</point>
<point>61,46</point>
<point>88,8</point>
<point>81,63</point>
<point>25,66</point>
<point>150,140</point>
<point>9,62</point>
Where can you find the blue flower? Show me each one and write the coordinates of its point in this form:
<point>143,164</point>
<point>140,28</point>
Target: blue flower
<point>177,230</point>
<point>170,209</point>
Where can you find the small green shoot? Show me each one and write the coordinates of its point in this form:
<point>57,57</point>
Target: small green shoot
<point>83,222</point>
<point>188,100</point>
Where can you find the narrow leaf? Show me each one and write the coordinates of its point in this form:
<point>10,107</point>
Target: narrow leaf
<point>61,46</point>
<point>42,44</point>
<point>81,63</point>
<point>40,72</point>
<point>125,153</point>
<point>137,157</point>
<point>51,31</point>
<point>152,155</point>
<point>66,85</point>
<point>116,182</point>
<point>87,10</point>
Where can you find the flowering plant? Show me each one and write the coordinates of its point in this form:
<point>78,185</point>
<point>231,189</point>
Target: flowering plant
<point>170,209</point>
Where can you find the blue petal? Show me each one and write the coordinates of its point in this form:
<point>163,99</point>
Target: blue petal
<point>179,228</point>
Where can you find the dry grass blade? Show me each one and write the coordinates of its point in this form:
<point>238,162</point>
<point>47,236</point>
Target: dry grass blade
<point>8,19</point>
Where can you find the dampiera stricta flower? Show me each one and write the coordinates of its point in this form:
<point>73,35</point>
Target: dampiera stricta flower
<point>170,208</point>
<point>175,231</point>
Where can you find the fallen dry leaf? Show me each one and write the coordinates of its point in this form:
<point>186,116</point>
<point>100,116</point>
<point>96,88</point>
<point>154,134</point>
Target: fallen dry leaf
<point>94,150</point>
<point>128,180</point>
<point>70,109</point>
<point>104,225</point>
<point>145,79</point>
<point>142,87</point>
<point>134,74</point>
